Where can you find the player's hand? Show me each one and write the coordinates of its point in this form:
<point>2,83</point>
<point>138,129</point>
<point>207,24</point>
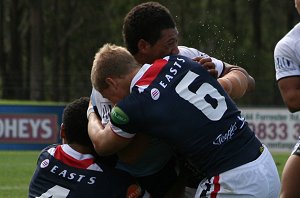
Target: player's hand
<point>208,65</point>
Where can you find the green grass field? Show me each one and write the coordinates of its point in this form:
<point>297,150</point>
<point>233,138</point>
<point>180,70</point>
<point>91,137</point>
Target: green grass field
<point>16,169</point>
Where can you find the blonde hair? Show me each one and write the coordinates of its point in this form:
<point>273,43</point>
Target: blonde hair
<point>111,61</point>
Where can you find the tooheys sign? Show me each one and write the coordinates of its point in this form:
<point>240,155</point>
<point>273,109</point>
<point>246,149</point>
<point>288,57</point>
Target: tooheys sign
<point>275,127</point>
<point>28,128</point>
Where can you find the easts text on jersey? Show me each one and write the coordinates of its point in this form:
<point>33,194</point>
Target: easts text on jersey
<point>72,176</point>
<point>173,72</point>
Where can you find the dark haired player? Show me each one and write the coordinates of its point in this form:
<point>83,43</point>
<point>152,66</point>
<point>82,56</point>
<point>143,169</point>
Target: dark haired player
<point>71,170</point>
<point>149,32</point>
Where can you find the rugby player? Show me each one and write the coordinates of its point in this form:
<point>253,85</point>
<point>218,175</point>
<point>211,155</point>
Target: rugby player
<point>71,169</point>
<point>180,103</point>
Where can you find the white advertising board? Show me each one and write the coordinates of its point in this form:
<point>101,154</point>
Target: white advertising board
<point>275,127</point>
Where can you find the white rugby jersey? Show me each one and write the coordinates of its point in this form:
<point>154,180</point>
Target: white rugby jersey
<point>287,54</point>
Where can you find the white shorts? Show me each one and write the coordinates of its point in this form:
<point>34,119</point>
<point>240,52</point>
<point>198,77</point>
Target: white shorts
<point>258,178</point>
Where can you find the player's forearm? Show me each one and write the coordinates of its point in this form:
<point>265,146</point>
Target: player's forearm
<point>95,129</point>
<point>105,141</point>
<point>250,80</point>
<point>236,81</point>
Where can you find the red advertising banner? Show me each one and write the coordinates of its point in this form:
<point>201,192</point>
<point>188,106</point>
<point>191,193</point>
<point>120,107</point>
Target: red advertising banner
<point>28,128</point>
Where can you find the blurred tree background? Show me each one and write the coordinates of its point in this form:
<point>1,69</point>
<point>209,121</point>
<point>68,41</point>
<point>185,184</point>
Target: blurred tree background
<point>47,46</point>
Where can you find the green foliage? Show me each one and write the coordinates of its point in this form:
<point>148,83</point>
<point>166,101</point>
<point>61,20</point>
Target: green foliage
<point>238,32</point>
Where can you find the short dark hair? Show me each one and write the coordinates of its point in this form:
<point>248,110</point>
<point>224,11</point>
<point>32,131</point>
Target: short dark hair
<point>145,21</point>
<point>76,123</point>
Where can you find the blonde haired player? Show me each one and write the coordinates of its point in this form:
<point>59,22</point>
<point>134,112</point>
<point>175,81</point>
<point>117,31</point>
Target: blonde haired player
<point>178,102</point>
<point>136,158</point>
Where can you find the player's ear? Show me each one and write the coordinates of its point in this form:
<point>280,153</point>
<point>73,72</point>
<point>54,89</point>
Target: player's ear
<point>143,46</point>
<point>111,83</point>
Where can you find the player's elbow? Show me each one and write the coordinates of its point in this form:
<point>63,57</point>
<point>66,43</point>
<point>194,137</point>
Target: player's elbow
<point>102,151</point>
<point>292,108</point>
<point>99,145</point>
<point>251,84</point>
<point>237,83</point>
<point>292,103</point>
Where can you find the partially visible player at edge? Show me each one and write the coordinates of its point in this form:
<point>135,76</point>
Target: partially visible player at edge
<point>287,67</point>
<point>71,170</point>
<point>180,103</point>
<point>150,32</point>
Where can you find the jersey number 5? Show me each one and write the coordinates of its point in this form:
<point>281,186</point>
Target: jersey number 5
<point>211,111</point>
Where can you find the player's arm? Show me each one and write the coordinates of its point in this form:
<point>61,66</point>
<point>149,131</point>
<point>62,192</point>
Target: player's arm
<point>104,139</point>
<point>236,81</point>
<point>290,180</point>
<point>290,91</point>
<point>135,148</point>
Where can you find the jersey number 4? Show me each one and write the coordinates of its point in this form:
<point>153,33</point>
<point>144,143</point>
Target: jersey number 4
<point>211,111</point>
<point>55,192</point>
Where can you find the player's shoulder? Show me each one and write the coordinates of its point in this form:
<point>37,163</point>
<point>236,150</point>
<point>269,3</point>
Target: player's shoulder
<point>288,41</point>
<point>48,148</point>
<point>296,31</point>
<point>46,152</point>
<point>191,52</point>
<point>284,47</point>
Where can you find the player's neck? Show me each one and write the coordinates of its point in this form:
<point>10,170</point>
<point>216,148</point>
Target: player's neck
<point>140,58</point>
<point>81,149</point>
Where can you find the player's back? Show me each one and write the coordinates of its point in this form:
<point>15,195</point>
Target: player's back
<point>181,103</point>
<point>59,179</point>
